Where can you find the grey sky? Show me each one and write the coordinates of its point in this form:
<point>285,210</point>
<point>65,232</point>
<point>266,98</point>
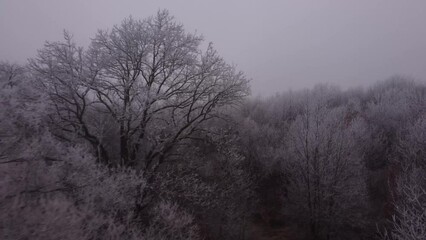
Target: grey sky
<point>279,44</point>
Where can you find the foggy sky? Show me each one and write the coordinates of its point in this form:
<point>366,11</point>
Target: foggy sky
<point>280,45</point>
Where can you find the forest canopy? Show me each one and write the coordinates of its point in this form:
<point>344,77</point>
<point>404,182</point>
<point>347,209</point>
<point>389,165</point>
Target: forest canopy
<point>145,134</point>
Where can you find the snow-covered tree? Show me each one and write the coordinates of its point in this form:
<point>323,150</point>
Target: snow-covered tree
<point>409,186</point>
<point>149,76</point>
<point>323,165</point>
<point>409,217</point>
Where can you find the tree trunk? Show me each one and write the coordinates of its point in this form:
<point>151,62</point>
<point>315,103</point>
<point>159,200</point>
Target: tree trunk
<point>124,149</point>
<point>314,229</point>
<point>101,154</point>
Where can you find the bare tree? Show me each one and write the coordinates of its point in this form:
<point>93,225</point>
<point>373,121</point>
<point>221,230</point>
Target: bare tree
<point>409,186</point>
<point>62,69</point>
<point>408,221</point>
<point>9,73</point>
<point>149,76</point>
<point>158,86</point>
<point>323,166</point>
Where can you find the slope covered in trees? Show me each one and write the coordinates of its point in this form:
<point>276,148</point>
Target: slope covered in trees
<point>144,135</point>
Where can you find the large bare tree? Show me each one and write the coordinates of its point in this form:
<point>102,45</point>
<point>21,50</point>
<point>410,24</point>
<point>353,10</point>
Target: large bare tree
<point>149,76</point>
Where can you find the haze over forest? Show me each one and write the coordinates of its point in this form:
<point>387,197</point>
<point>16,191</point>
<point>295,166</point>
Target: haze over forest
<point>280,45</point>
<point>141,120</point>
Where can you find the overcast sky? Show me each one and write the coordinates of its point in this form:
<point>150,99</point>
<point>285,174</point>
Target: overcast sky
<point>279,44</point>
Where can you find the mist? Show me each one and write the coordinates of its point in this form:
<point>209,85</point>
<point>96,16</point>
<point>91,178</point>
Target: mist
<point>206,120</point>
<point>280,45</point>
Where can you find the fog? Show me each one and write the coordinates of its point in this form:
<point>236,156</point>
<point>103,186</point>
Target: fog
<point>280,45</point>
<point>302,120</point>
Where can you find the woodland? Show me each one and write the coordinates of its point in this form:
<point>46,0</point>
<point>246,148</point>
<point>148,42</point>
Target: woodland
<point>148,133</point>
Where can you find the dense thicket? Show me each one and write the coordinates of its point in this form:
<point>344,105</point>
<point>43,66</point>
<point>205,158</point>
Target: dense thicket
<point>145,136</point>
<point>340,163</point>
